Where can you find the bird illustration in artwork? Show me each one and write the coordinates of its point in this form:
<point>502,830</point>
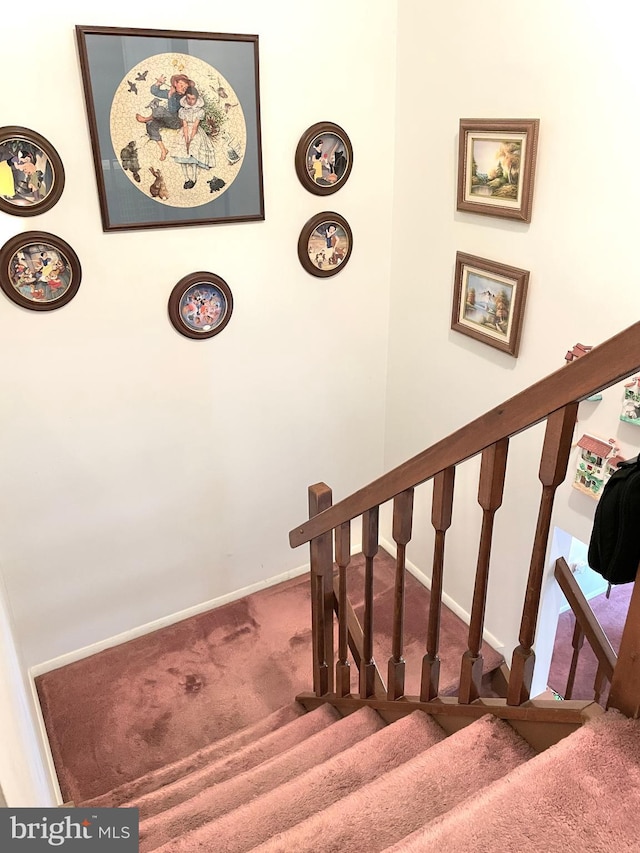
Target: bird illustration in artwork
<point>228,106</point>
<point>221,90</point>
<point>142,75</point>
<point>231,149</point>
<point>132,87</point>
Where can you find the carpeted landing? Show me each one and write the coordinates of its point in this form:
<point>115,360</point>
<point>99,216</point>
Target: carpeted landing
<point>146,712</point>
<point>283,780</point>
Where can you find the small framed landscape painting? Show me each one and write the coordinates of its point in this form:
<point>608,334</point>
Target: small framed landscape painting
<point>488,301</point>
<point>496,166</point>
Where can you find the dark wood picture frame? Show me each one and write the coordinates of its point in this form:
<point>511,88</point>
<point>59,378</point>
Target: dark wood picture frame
<point>39,271</point>
<point>33,172</point>
<point>488,301</point>
<point>325,244</point>
<point>140,116</point>
<point>324,158</point>
<point>496,166</point>
<point>200,305</point>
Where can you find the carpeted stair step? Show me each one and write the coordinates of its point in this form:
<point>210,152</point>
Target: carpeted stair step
<point>315,790</point>
<point>115,716</point>
<point>234,754</point>
<point>582,794</point>
<point>380,813</point>
<point>197,807</point>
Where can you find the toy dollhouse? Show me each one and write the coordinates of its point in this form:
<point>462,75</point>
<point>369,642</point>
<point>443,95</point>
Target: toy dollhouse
<point>597,461</point>
<point>576,352</point>
<point>630,413</point>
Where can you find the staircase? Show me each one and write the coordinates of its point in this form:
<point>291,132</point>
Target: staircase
<point>414,764</point>
<point>317,782</point>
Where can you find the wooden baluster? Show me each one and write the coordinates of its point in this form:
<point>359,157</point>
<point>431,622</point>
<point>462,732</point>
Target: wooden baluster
<point>598,683</point>
<point>625,684</point>
<point>441,511</point>
<point>490,491</point>
<point>402,519</point>
<point>369,549</point>
<point>577,643</point>
<point>343,558</point>
<point>553,469</point>
<point>321,595</point>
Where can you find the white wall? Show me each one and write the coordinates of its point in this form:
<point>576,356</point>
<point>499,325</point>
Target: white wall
<point>107,520</point>
<point>574,65</point>
<point>23,779</point>
<point>144,473</point>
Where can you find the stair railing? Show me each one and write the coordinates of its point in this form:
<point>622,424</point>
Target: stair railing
<point>586,627</point>
<point>554,400</point>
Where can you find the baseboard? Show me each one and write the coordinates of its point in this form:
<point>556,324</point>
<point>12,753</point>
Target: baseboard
<point>163,622</point>
<point>419,575</point>
<point>50,766</point>
<point>172,618</point>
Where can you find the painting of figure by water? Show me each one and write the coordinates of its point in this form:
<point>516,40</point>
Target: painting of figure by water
<point>487,304</point>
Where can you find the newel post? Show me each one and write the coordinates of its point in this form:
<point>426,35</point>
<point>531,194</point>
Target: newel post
<point>625,684</point>
<point>321,551</point>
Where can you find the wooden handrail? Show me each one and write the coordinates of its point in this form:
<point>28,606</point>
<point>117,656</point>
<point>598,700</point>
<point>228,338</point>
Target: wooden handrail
<point>606,364</point>
<point>586,619</point>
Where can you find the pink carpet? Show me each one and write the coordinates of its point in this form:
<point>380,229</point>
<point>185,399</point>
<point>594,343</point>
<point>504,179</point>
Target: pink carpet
<point>582,795</point>
<point>262,749</point>
<point>186,804</point>
<point>611,613</point>
<point>408,796</point>
<point>319,789</point>
<point>151,705</point>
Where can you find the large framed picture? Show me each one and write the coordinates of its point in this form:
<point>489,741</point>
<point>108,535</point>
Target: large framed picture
<point>488,301</point>
<point>31,172</point>
<point>174,120</point>
<point>496,166</point>
<point>39,271</point>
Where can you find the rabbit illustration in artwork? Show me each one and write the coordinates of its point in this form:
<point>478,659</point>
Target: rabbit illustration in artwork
<point>158,188</point>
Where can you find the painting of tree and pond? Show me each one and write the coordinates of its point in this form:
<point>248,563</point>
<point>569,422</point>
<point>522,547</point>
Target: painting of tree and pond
<point>495,169</point>
<point>496,166</point>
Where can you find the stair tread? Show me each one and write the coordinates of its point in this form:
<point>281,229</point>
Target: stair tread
<point>428,785</point>
<point>275,733</point>
<point>581,794</point>
<point>253,823</point>
<point>179,807</point>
